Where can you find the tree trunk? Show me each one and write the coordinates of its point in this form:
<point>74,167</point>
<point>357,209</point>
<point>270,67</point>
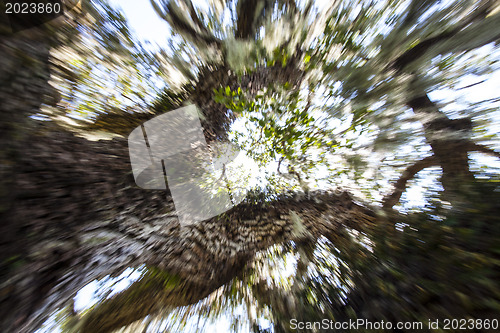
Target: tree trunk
<point>24,75</point>
<point>80,217</point>
<point>450,142</point>
<point>71,212</point>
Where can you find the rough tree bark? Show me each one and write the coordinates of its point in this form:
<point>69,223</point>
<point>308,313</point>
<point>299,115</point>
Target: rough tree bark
<point>71,212</point>
<point>450,139</point>
<point>24,75</point>
<point>80,217</point>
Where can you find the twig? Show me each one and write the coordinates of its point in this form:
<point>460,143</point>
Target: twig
<point>279,164</point>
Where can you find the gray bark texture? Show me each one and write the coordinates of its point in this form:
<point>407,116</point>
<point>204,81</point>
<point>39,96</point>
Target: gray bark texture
<point>71,212</point>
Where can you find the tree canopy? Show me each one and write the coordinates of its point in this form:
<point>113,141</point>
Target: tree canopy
<point>347,108</point>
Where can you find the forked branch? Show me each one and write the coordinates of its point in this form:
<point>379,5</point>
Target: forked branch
<point>471,146</point>
<point>408,174</point>
<point>411,171</point>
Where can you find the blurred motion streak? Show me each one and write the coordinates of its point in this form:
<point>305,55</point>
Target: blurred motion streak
<point>353,146</point>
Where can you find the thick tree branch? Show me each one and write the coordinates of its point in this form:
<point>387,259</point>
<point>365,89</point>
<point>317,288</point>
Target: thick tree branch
<point>153,292</point>
<point>79,215</point>
<point>469,23</point>
<point>173,16</point>
<point>409,173</point>
<point>247,15</point>
<point>178,22</point>
<point>447,138</point>
<point>203,257</point>
<point>471,146</point>
<point>196,19</point>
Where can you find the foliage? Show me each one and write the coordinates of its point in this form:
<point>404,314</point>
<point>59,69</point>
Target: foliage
<point>325,98</point>
<point>431,265</point>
